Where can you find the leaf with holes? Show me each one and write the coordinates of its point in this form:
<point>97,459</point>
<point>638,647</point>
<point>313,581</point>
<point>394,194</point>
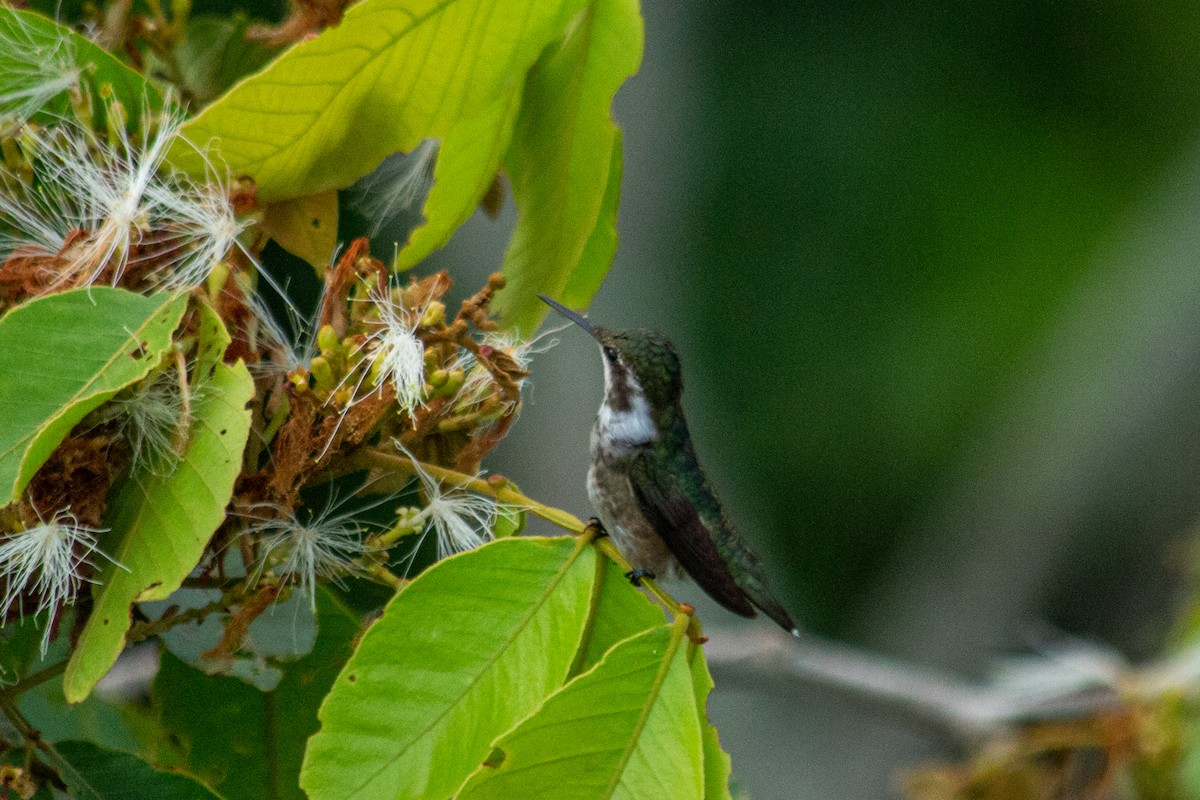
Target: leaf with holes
<point>392,73</point>
<point>716,760</point>
<point>160,521</point>
<point>561,162</point>
<point>627,729</point>
<point>63,355</point>
<point>464,652</point>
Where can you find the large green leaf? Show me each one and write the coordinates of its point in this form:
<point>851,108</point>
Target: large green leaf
<point>561,162</point>
<point>392,73</point>
<point>467,162</point>
<point>467,650</point>
<point>61,356</point>
<point>716,760</point>
<point>100,774</point>
<point>584,281</point>
<point>628,729</point>
<point>618,611</point>
<point>245,743</point>
<point>41,60</point>
<point>161,520</point>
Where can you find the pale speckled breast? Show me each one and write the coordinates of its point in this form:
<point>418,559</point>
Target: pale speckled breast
<point>612,497</point>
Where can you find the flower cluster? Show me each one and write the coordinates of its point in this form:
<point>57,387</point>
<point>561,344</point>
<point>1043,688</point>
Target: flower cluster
<point>87,198</point>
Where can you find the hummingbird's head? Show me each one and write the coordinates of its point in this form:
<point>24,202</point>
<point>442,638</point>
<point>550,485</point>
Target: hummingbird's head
<point>641,377</point>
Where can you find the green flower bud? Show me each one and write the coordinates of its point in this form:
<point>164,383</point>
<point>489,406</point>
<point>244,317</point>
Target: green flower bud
<point>454,382</point>
<point>327,339</point>
<point>322,373</point>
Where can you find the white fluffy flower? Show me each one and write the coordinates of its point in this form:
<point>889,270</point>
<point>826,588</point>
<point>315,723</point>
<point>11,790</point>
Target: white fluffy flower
<point>150,416</point>
<point>461,519</point>
<point>325,546</point>
<point>398,356</point>
<point>399,183</point>
<point>129,209</point>
<point>479,382</point>
<point>46,561</point>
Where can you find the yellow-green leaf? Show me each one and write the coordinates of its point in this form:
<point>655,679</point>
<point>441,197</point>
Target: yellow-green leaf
<point>392,73</point>
<point>618,611</point>
<point>627,730</point>
<point>305,226</point>
<point>464,652</point>
<point>467,162</point>
<point>561,162</point>
<point>161,521</point>
<point>716,760</point>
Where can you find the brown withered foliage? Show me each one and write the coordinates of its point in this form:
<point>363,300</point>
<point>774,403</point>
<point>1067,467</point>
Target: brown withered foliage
<point>79,475</point>
<point>308,18</point>
<point>1091,758</point>
<point>320,430</point>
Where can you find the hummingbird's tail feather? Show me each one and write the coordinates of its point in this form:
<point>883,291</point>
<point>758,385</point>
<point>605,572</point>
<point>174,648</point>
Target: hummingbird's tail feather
<point>760,594</point>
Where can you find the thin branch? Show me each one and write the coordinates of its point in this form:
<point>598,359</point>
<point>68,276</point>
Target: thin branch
<point>964,709</point>
<point>502,491</point>
<point>32,681</point>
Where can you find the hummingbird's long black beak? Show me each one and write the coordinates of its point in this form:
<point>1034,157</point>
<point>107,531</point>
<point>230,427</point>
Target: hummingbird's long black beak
<point>578,319</point>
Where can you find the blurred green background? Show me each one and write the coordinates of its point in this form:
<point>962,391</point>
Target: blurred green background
<point>934,273</point>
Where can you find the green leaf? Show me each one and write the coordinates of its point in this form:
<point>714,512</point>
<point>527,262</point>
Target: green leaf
<point>510,521</point>
<point>101,720</point>
<point>19,648</point>
<point>101,773</point>
<point>467,162</point>
<point>38,56</point>
<point>464,652</point>
<point>63,355</point>
<point>716,760</point>
<point>601,247</point>
<point>619,611</point>
<point>627,729</point>
<point>561,161</point>
<point>305,226</point>
<point>392,73</point>
<point>215,54</point>
<point>245,743</point>
<point>161,521</point>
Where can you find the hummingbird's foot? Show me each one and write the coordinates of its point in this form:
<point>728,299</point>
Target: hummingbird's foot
<point>636,574</point>
<point>595,528</point>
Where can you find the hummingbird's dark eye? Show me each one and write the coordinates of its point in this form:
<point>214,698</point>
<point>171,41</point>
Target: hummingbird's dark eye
<point>610,353</point>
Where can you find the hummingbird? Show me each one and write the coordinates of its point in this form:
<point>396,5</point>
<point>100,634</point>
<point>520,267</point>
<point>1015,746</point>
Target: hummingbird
<point>647,485</point>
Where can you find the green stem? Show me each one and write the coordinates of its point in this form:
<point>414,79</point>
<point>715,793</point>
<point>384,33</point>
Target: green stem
<point>32,681</point>
<point>506,494</point>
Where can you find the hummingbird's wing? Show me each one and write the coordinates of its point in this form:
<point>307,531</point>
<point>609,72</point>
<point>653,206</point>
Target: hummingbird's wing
<point>675,518</point>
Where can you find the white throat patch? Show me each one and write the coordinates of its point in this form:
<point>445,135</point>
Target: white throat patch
<point>629,427</point>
